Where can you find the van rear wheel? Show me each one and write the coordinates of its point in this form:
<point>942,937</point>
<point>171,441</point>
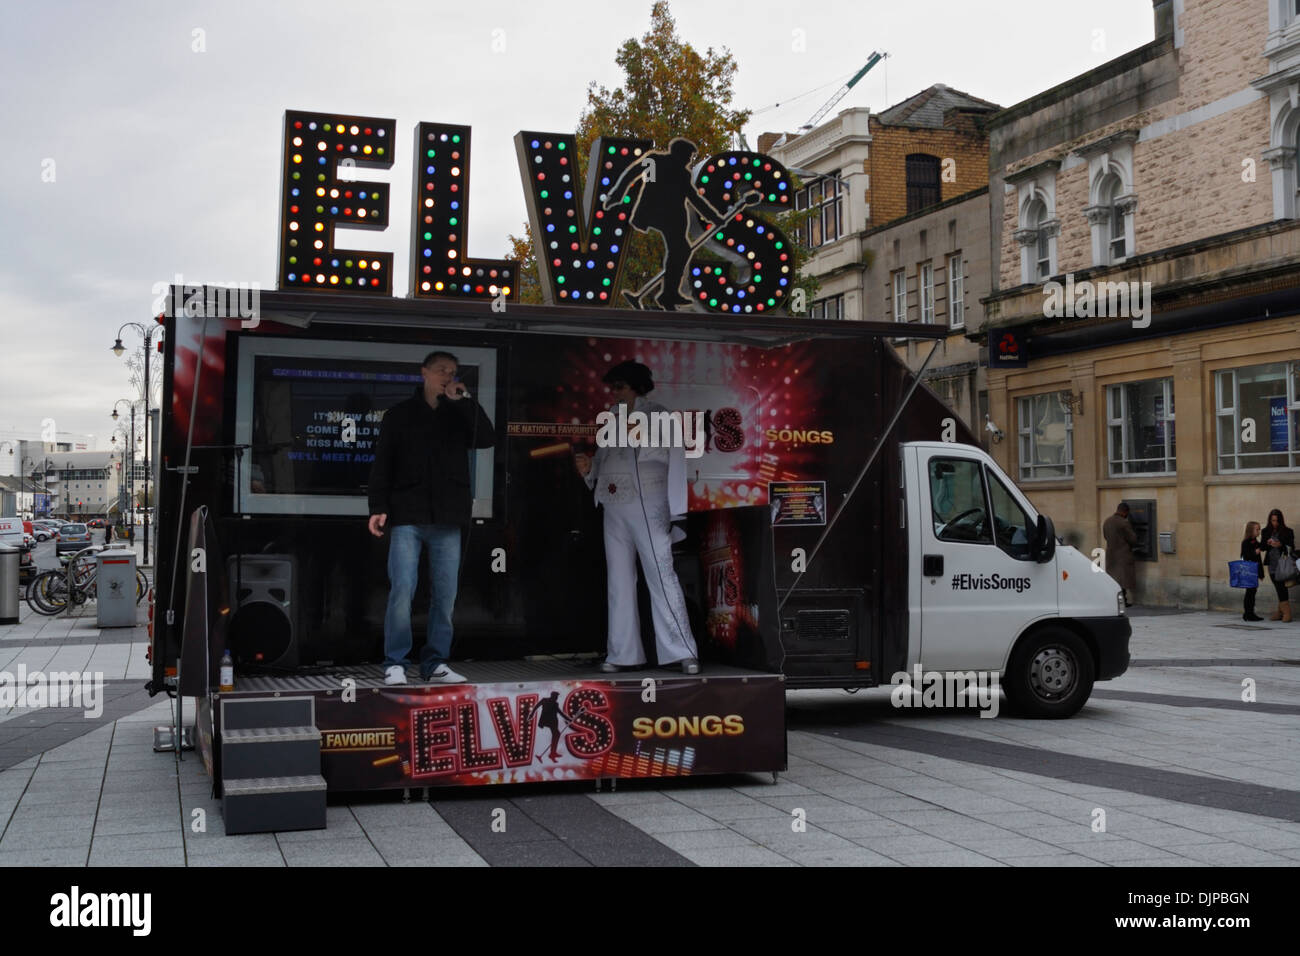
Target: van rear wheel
<point>1050,675</point>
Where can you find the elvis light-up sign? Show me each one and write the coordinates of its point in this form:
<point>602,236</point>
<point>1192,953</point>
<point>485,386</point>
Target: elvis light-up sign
<point>313,199</point>
<point>719,254</point>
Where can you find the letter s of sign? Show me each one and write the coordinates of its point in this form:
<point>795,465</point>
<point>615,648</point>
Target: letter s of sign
<point>728,430</point>
<point>766,281</point>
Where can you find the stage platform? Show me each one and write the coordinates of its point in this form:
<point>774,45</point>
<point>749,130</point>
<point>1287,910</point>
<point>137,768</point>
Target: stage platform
<point>521,721</point>
<point>521,672</point>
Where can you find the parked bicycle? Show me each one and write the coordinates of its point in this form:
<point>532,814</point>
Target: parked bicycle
<point>74,584</point>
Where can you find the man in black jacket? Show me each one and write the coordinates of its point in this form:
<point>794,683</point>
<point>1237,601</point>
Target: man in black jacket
<point>419,488</point>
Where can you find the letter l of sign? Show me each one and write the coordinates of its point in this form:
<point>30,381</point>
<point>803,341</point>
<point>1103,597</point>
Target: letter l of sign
<point>580,249</point>
<point>440,223</point>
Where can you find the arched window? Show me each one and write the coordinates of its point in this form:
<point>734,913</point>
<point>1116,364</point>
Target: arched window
<point>1111,190</point>
<point>1036,219</point>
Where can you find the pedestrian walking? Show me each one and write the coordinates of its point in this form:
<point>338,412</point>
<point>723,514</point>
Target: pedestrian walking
<point>1120,539</point>
<point>1251,551</point>
<point>1280,559</point>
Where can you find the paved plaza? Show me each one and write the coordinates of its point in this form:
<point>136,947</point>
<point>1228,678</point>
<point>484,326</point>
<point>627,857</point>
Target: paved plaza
<point>1166,766</point>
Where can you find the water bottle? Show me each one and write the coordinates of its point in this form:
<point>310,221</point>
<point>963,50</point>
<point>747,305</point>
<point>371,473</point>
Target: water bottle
<point>227,680</point>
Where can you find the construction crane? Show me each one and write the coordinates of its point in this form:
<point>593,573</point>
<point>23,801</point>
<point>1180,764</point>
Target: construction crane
<point>842,92</point>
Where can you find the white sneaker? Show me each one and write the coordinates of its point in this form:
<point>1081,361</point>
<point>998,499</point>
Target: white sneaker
<point>395,675</point>
<point>442,674</point>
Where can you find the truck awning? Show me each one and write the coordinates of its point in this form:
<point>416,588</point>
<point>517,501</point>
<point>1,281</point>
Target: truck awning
<point>305,309</point>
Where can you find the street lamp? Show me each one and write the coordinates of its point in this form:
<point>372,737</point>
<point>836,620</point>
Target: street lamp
<point>12,445</point>
<point>131,459</point>
<point>21,471</point>
<point>147,333</point>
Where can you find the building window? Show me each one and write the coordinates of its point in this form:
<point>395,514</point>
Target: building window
<point>826,222</point>
<point>926,288</point>
<point>1042,244</point>
<point>831,307</point>
<point>922,181</point>
<point>1117,247</point>
<point>1258,417</point>
<point>900,296</point>
<point>1046,430</point>
<point>1141,426</point>
<point>956,292</point>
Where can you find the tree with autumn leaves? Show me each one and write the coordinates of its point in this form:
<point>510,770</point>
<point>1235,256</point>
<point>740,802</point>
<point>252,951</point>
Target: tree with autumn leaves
<point>669,90</point>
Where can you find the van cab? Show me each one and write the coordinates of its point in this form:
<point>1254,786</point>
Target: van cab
<point>996,590</point>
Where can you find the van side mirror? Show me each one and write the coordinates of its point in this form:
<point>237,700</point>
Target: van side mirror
<point>1044,540</point>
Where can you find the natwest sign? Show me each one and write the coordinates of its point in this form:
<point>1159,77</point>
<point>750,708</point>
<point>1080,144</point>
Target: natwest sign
<point>720,253</point>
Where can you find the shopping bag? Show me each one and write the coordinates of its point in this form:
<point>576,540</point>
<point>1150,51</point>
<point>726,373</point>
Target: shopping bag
<point>1243,574</point>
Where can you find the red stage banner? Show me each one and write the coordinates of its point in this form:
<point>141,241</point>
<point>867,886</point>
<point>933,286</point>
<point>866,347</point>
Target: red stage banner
<point>550,730</point>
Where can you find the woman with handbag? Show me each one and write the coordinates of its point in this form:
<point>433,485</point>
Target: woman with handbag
<point>1281,562</point>
<point>1252,552</point>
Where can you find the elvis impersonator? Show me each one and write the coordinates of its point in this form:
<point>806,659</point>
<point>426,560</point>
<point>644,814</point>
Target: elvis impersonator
<point>642,490</point>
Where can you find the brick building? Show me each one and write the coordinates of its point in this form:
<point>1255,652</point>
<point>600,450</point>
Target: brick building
<point>901,228</point>
<point>1144,220</point>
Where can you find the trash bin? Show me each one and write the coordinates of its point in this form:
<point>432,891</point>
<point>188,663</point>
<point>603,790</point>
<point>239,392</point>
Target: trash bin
<point>115,588</point>
<point>10,558</point>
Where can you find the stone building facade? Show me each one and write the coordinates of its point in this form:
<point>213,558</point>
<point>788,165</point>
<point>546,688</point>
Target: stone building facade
<point>1147,294</point>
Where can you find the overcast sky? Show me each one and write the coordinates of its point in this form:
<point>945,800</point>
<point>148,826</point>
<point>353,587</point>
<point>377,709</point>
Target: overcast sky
<point>164,160</point>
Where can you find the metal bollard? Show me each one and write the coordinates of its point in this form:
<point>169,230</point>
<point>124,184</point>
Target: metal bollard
<point>10,559</point>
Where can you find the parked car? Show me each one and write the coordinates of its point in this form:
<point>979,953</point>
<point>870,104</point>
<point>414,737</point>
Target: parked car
<point>11,533</point>
<point>72,537</point>
<point>95,523</point>
<point>37,530</point>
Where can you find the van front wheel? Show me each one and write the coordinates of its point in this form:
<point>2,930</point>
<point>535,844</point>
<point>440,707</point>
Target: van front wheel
<point>1050,675</point>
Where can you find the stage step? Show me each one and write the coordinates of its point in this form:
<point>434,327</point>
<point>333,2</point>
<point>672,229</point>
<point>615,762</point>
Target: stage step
<point>266,804</point>
<point>270,765</point>
<point>270,752</point>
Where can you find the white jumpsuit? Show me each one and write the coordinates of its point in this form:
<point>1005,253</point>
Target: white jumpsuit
<point>638,524</point>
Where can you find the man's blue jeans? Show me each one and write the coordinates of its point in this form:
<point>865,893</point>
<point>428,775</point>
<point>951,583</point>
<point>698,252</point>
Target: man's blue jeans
<point>443,544</point>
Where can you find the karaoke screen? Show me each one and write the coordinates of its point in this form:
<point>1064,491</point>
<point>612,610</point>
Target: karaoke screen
<point>316,421</point>
<point>311,418</point>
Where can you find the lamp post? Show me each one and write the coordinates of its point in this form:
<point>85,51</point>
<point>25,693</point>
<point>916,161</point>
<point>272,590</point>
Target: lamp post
<point>26,462</point>
<point>12,445</point>
<point>147,333</point>
<point>131,457</point>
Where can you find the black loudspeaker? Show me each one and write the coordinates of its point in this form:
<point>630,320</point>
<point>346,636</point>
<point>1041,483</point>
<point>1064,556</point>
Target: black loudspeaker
<point>264,627</point>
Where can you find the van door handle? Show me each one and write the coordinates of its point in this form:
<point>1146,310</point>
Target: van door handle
<point>932,565</point>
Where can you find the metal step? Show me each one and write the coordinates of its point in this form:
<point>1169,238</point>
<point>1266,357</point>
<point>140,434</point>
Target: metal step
<point>247,713</point>
<point>271,735</point>
<point>274,804</point>
<point>265,785</point>
<point>270,752</point>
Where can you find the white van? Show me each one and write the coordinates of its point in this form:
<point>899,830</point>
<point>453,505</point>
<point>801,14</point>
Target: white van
<point>996,591</point>
<point>12,534</point>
